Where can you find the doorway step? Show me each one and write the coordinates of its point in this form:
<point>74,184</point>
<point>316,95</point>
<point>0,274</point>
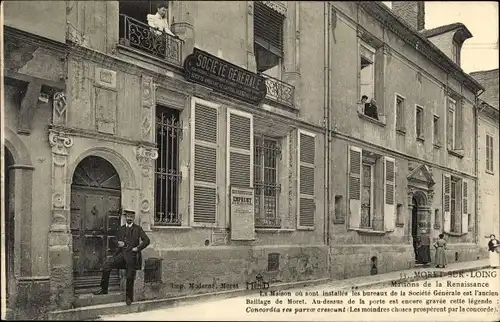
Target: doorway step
<point>89,299</point>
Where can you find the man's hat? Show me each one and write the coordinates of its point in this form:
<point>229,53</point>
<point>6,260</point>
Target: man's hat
<point>128,211</point>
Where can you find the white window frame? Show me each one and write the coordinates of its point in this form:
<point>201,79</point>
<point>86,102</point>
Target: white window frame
<point>372,191</point>
<point>489,153</point>
<point>278,167</point>
<point>435,119</point>
<point>400,127</point>
<point>454,121</point>
<point>363,48</point>
<point>421,108</point>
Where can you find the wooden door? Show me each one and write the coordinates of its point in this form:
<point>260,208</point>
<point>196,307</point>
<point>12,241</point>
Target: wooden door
<point>95,220</point>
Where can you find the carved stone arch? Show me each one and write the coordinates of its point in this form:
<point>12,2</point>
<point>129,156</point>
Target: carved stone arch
<point>121,165</point>
<point>421,198</point>
<point>16,147</point>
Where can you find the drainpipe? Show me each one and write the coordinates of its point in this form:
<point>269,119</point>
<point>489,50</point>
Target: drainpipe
<point>476,168</point>
<point>325,126</point>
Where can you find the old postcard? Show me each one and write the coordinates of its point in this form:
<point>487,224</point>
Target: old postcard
<point>250,160</point>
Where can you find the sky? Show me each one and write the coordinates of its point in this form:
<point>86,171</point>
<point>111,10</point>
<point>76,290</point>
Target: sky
<point>480,17</point>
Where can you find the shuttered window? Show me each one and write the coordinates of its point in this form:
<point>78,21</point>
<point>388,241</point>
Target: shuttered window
<point>447,202</point>
<point>268,28</point>
<point>306,174</point>
<point>389,187</point>
<point>489,153</point>
<point>465,207</point>
<point>354,162</point>
<point>204,122</point>
<point>240,148</point>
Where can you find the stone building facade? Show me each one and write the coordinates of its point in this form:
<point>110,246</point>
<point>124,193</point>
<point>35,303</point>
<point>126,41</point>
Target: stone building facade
<point>109,115</point>
<point>404,162</point>
<point>488,158</point>
<point>100,117</point>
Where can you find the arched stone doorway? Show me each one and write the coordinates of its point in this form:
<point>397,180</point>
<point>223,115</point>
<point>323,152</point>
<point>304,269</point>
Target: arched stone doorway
<point>9,224</point>
<point>95,219</point>
<point>420,216</point>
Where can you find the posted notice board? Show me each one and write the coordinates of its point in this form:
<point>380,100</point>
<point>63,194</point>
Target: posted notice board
<point>242,213</point>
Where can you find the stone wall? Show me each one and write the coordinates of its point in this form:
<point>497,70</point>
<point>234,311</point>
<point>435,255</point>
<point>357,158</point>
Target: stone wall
<point>356,260</point>
<point>194,270</point>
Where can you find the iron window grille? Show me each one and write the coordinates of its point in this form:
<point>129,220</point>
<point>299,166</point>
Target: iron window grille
<point>267,188</point>
<point>167,172</point>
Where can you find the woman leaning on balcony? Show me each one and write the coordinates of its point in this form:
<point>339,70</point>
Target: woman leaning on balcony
<point>159,21</point>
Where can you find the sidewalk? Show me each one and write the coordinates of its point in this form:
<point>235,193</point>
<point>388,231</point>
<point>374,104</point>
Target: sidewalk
<point>363,282</point>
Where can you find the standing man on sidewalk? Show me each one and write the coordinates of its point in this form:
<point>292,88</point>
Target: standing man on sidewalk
<point>128,256</point>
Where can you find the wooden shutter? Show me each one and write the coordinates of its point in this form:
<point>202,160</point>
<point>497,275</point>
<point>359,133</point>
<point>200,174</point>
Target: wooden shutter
<point>465,207</point>
<point>240,148</point>
<point>268,28</point>
<point>447,203</point>
<point>354,162</point>
<point>306,173</point>
<point>204,142</point>
<point>389,193</point>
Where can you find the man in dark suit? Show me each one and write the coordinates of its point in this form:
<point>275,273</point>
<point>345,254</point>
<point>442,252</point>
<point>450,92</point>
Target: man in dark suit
<point>128,255</point>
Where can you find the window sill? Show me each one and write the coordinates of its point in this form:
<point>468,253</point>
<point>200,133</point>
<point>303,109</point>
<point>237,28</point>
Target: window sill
<point>456,153</point>
<point>437,145</point>
<point>490,172</point>
<point>306,228</point>
<point>274,230</point>
<point>400,224</point>
<point>449,233</point>
<point>421,139</point>
<point>371,119</point>
<point>170,227</point>
<point>339,221</point>
<point>367,231</point>
<point>401,131</point>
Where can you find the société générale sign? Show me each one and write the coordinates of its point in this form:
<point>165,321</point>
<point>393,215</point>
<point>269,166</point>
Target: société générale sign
<point>226,78</point>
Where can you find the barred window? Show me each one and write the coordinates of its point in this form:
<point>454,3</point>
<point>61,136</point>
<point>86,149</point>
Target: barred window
<point>167,173</point>
<point>267,189</point>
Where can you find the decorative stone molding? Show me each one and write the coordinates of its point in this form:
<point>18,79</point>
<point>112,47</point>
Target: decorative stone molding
<point>145,206</point>
<point>60,142</point>
<point>278,6</point>
<point>59,105</point>
<point>430,197</point>
<point>146,154</point>
<point>148,102</point>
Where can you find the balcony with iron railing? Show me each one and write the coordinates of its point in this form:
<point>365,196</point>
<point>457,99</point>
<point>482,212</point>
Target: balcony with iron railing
<point>279,91</point>
<point>141,37</point>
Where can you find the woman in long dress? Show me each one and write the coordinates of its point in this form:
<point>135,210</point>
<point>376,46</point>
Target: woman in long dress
<point>440,246</point>
<point>493,247</point>
<point>424,249</point>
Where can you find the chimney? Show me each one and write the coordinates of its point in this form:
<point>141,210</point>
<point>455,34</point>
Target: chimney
<point>413,12</point>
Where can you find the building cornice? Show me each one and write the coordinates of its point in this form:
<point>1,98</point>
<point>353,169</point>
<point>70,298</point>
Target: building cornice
<point>384,15</point>
<point>489,111</point>
<point>34,39</point>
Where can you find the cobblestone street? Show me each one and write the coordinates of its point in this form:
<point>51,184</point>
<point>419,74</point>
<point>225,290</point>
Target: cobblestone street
<point>438,299</point>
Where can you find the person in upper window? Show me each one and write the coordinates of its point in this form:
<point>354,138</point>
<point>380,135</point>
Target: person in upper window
<point>159,21</point>
<point>371,109</point>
